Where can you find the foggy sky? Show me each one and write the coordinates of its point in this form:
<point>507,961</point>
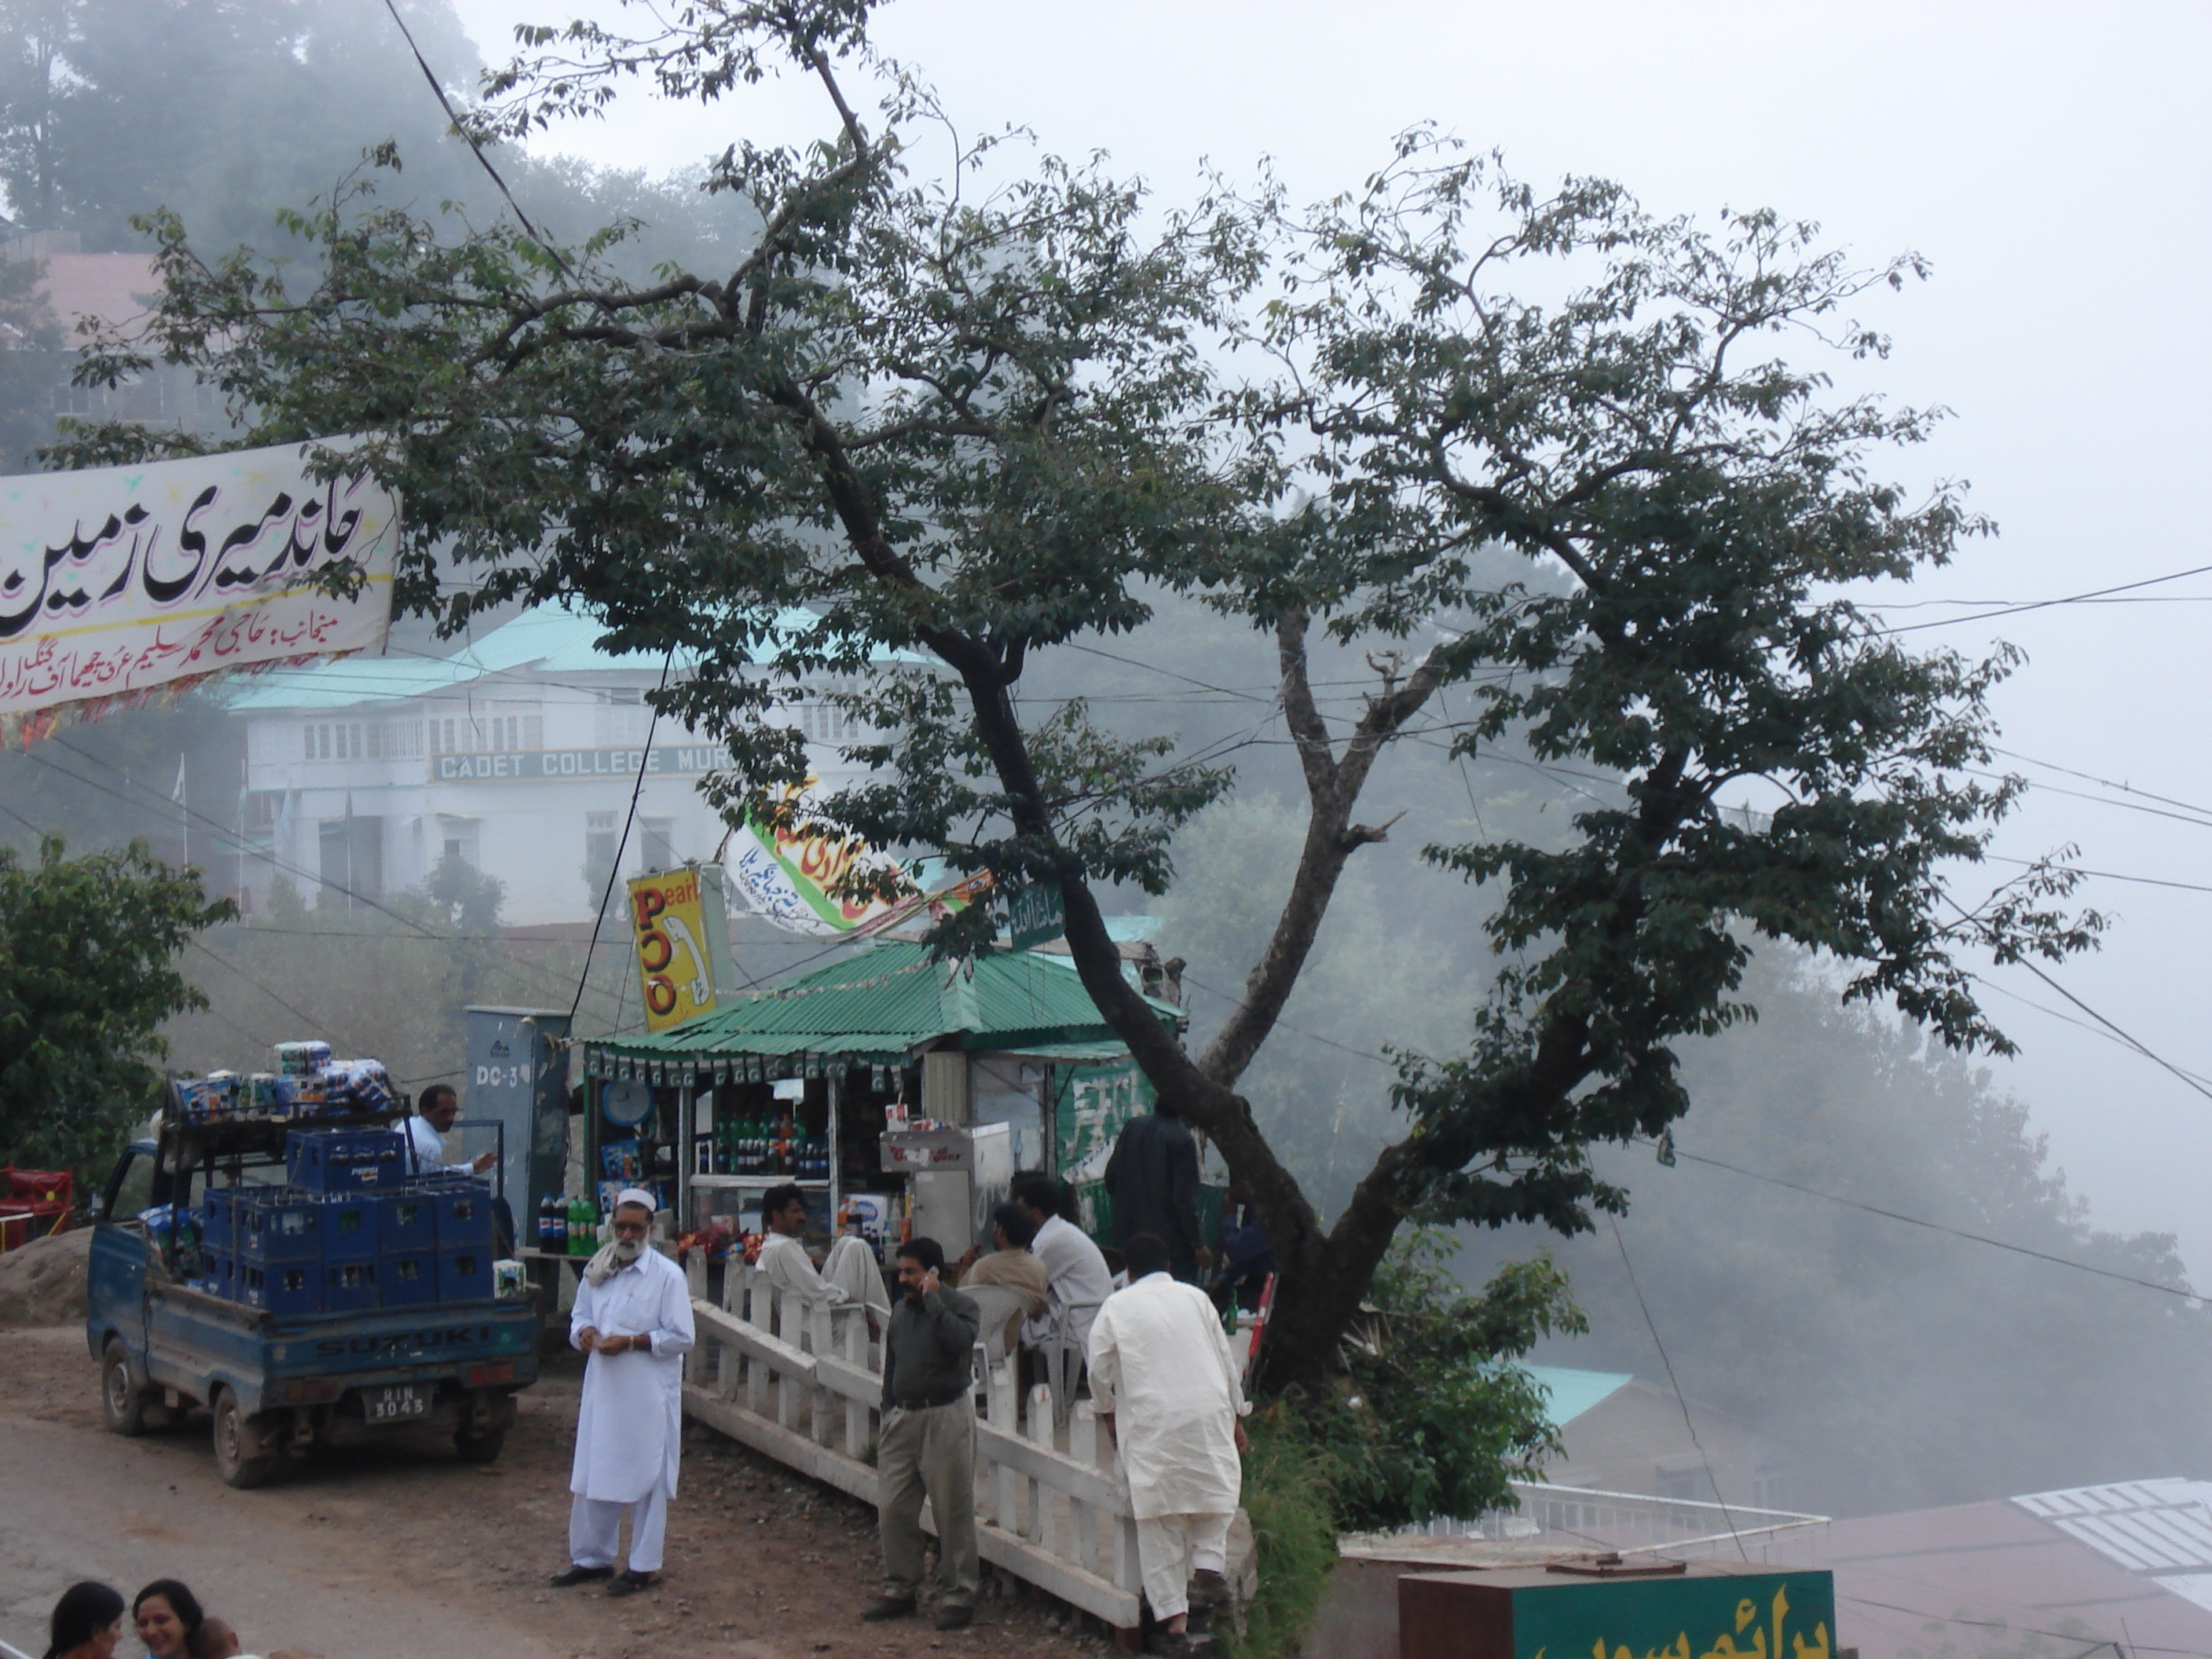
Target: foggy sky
<point>2052,162</point>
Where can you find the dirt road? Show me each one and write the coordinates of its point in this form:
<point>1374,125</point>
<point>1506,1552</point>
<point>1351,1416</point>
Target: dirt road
<point>404,1553</point>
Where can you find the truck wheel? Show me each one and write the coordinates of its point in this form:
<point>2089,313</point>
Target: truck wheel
<point>239,1457</point>
<point>479,1446</point>
<point>122,1402</point>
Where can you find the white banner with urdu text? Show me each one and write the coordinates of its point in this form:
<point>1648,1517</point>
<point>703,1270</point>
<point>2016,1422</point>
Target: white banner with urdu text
<point>121,578</point>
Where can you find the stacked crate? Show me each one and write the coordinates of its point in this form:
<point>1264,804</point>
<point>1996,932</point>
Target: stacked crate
<point>351,1233</point>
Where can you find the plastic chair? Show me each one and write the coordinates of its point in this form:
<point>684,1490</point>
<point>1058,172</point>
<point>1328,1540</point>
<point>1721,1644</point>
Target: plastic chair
<point>1067,1348</point>
<point>999,1305</point>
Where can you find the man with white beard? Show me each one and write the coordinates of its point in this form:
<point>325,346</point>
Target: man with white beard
<point>1165,1385</point>
<point>632,1317</point>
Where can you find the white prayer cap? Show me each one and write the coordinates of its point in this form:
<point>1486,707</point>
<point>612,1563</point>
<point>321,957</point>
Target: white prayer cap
<point>636,1196</point>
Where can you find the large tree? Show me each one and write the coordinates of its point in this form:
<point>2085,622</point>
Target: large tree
<point>999,414</point>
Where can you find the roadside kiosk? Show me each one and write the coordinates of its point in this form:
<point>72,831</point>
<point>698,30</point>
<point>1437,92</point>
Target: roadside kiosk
<point>899,1092</point>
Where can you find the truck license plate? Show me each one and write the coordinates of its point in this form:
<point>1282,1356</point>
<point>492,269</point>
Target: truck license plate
<point>404,1399</point>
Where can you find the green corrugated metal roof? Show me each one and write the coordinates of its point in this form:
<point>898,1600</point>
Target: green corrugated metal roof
<point>884,1003</point>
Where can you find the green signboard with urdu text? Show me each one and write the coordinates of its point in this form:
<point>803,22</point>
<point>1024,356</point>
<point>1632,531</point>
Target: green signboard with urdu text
<point>1706,1611</point>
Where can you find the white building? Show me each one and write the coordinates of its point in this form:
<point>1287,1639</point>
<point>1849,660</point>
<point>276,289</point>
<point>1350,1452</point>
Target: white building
<point>518,754</point>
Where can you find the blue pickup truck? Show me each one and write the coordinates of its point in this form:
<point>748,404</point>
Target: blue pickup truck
<point>278,1386</point>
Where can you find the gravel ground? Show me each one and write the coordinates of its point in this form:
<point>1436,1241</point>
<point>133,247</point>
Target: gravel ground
<point>401,1551</point>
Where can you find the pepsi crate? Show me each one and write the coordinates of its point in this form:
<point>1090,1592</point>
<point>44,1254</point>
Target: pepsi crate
<point>463,1212</point>
<point>351,1226</point>
<point>277,1224</point>
<point>350,1287</point>
<point>217,1275</point>
<point>406,1221</point>
<point>286,1289</point>
<point>408,1278</point>
<point>215,1218</point>
<point>345,1160</point>
<point>464,1275</point>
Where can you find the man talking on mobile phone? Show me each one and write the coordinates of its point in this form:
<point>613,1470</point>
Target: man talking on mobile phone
<point>926,1446</point>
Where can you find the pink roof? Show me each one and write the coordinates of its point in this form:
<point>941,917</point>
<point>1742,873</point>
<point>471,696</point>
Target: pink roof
<point>113,286</point>
<point>1920,1579</point>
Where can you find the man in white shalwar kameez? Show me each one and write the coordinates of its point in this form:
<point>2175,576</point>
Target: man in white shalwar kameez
<point>632,1317</point>
<point>1163,1379</point>
<point>849,1274</point>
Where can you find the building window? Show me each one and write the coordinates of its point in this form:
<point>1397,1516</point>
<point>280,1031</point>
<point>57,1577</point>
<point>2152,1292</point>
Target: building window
<point>461,839</point>
<point>656,843</point>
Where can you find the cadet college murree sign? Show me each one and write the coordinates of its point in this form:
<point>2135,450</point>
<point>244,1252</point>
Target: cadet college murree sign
<point>123,579</point>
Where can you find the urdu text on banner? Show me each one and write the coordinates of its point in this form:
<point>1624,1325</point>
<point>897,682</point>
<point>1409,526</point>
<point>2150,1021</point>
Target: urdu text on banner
<point>121,580</point>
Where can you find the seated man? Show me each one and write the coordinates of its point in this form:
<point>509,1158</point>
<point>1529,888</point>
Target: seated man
<point>1012,1265</point>
<point>848,1274</point>
<point>1076,1268</point>
<point>433,1118</point>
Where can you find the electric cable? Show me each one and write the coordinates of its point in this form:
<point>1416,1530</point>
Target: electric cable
<point>469,138</point>
<point>1652,1325</point>
<point>512,971</point>
<point>2182,1291</point>
<point>2040,604</point>
<point>621,846</point>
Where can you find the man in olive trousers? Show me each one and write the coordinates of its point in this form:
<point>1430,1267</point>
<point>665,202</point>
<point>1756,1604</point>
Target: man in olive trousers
<point>926,1446</point>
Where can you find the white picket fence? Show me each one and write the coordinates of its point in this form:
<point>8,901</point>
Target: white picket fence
<point>803,1385</point>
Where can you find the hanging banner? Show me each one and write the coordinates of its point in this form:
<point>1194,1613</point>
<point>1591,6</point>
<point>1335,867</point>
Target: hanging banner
<point>789,876</point>
<point>680,926</point>
<point>121,579</point>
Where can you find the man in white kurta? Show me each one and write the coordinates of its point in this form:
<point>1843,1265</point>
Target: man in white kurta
<point>849,1274</point>
<point>1077,1275</point>
<point>632,1317</point>
<point>1163,1377</point>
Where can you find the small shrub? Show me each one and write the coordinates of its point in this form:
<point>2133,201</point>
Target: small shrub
<point>1287,1495</point>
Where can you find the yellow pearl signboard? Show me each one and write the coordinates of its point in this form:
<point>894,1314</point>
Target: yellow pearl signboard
<point>680,928</point>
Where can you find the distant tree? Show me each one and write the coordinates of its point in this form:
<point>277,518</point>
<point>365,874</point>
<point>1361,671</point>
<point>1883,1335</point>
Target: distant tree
<point>1905,1368</point>
<point>979,425</point>
<point>88,950</point>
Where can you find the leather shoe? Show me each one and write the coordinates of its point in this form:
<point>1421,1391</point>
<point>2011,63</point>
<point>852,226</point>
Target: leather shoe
<point>888,1606</point>
<point>579,1575</point>
<point>955,1618</point>
<point>629,1584</point>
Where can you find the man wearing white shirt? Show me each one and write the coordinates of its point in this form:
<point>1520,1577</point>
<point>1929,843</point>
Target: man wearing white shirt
<point>850,1274</point>
<point>1077,1270</point>
<point>632,1317</point>
<point>1165,1384</point>
<point>435,1115</point>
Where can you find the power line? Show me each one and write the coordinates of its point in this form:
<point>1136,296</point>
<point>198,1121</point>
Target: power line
<point>469,138</point>
<point>513,971</point>
<point>2185,1294</point>
<point>621,846</point>
<point>2043,605</point>
<point>2104,783</point>
<point>1652,1326</point>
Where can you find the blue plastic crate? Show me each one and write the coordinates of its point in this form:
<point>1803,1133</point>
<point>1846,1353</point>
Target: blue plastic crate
<point>345,1160</point>
<point>351,1226</point>
<point>286,1289</point>
<point>464,1275</point>
<point>276,1224</point>
<point>217,1275</point>
<point>350,1287</point>
<point>215,1217</point>
<point>464,1216</point>
<point>406,1221</point>
<point>408,1278</point>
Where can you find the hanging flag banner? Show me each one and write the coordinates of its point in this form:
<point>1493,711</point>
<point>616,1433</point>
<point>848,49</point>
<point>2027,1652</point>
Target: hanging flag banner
<point>123,580</point>
<point>790,877</point>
